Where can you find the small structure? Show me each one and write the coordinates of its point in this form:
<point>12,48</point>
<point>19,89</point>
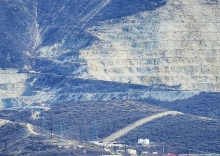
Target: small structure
<point>115,144</point>
<point>144,142</point>
<point>110,155</point>
<point>169,154</point>
<point>120,151</point>
<point>132,152</point>
<point>145,153</point>
<point>155,153</point>
<point>140,141</point>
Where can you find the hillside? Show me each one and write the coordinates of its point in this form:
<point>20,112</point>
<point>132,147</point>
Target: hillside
<point>89,121</point>
<point>170,45</point>
<point>93,120</point>
<point>180,134</point>
<point>203,104</point>
<point>20,139</point>
<point>97,66</point>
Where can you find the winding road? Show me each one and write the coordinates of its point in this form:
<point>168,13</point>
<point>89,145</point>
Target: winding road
<point>136,124</point>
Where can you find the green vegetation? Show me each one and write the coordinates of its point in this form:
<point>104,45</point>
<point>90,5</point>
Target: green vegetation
<point>14,140</point>
<point>204,104</point>
<point>92,120</point>
<point>9,132</point>
<point>16,115</point>
<point>180,133</point>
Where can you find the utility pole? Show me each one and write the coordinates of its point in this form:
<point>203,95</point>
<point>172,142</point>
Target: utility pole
<point>125,146</point>
<point>80,136</point>
<point>95,130</point>
<point>61,134</point>
<point>41,125</point>
<point>47,135</point>
<point>6,149</point>
<point>163,147</point>
<point>51,126</point>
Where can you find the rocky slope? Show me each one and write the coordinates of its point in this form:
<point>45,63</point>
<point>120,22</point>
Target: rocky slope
<point>177,44</point>
<point>90,54</point>
<point>51,51</point>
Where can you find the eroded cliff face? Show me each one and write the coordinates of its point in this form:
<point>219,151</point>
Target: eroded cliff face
<point>177,44</point>
<point>15,89</point>
<point>61,51</point>
<point>12,84</point>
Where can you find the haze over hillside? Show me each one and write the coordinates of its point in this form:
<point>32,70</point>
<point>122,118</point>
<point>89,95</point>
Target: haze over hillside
<point>77,59</point>
<point>57,51</point>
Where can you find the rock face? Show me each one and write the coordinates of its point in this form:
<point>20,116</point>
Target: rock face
<point>60,51</point>
<point>177,44</point>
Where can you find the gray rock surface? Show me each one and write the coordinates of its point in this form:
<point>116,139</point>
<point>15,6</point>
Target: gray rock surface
<point>60,51</point>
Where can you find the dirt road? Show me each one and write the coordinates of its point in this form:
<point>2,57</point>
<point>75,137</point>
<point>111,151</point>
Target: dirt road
<point>134,125</point>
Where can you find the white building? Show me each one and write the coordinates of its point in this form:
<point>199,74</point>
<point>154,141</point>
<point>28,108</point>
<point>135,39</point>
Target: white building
<point>144,142</point>
<point>132,152</point>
